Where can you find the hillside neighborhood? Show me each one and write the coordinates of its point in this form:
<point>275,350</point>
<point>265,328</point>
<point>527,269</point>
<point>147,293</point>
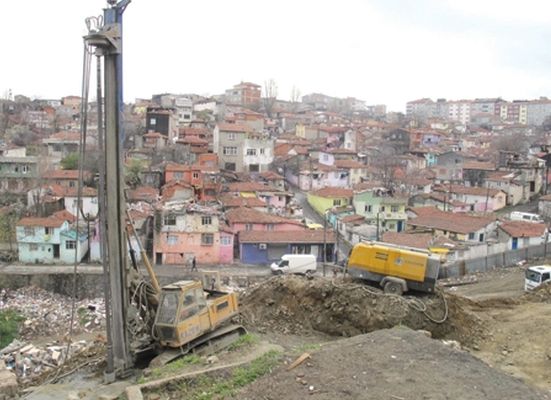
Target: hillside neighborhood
<point>244,178</point>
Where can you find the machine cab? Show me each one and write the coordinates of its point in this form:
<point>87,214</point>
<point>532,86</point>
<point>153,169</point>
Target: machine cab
<point>182,314</point>
<point>537,275</point>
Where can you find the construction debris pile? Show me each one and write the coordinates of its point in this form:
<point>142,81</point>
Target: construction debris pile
<point>28,361</point>
<point>49,314</point>
<point>341,307</point>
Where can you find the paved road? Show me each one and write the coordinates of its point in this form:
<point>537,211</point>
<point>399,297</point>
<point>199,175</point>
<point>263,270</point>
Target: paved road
<point>311,214</point>
<point>160,270</point>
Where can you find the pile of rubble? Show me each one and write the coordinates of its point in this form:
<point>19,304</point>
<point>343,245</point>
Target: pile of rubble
<point>49,314</point>
<point>294,304</point>
<point>28,361</point>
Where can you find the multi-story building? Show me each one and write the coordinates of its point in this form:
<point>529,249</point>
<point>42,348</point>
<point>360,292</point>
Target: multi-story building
<point>244,94</point>
<point>460,111</point>
<point>381,209</point>
<point>162,120</point>
<point>19,174</point>
<point>241,149</point>
<point>538,111</point>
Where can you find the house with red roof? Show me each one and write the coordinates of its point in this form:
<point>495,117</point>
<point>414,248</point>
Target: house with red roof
<point>49,240</point>
<point>521,234</point>
<point>268,246</point>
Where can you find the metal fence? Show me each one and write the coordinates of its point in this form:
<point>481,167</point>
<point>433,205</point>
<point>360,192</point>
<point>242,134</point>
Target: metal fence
<point>492,261</point>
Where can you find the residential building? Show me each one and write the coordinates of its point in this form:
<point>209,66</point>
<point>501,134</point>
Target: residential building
<point>380,208</point>
<point>456,226</point>
<point>244,94</point>
<point>61,144</point>
<point>326,198</point>
<point>249,219</point>
<point>266,247</point>
<point>186,231</point>
<point>240,149</point>
<point>520,234</point>
<point>49,240</point>
<point>163,120</point>
<point>479,199</point>
<point>19,174</point>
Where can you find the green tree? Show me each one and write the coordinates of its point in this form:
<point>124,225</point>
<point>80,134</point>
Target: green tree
<point>8,221</point>
<point>70,161</point>
<point>132,174</point>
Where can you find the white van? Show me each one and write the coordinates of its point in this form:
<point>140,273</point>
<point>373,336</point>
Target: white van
<point>524,216</point>
<point>536,275</point>
<point>295,264</point>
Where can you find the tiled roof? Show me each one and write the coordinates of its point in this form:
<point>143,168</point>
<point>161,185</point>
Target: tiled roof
<point>245,215</point>
<point>270,176</point>
<point>417,240</point>
<point>192,140</point>
<point>431,217</point>
<point>248,187</point>
<point>333,192</point>
<point>143,192</point>
<point>353,218</point>
<point>69,136</point>
<point>61,174</point>
<point>233,201</point>
<point>468,190</point>
<point>154,135</point>
<point>349,164</point>
<point>479,165</point>
<point>305,236</point>
<point>523,229</point>
<point>233,128</point>
<point>49,222</point>
<point>173,167</point>
<point>64,215</point>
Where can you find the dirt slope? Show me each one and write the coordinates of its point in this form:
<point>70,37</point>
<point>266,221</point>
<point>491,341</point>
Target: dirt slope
<point>390,364</point>
<point>294,304</point>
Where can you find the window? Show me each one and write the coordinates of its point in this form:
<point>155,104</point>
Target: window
<point>172,239</point>
<point>325,157</point>
<point>169,219</point>
<point>195,175</point>
<point>229,150</point>
<point>25,169</point>
<point>207,239</point>
<point>382,208</point>
<point>251,152</point>
<point>225,240</point>
<point>367,208</point>
<point>152,121</point>
<point>48,230</point>
<point>71,184</point>
<point>178,175</point>
<point>29,231</point>
<point>254,168</point>
<point>94,200</point>
<point>248,227</point>
<point>337,202</point>
<point>270,227</point>
<point>33,247</point>
<point>206,220</point>
<point>70,244</point>
<point>231,136</point>
<point>261,151</point>
<point>394,208</point>
<point>471,236</point>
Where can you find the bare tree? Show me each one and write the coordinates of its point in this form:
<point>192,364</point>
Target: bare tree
<point>270,96</point>
<point>295,94</point>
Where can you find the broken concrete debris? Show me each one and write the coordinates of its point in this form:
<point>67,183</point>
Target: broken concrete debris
<point>46,314</point>
<point>49,314</point>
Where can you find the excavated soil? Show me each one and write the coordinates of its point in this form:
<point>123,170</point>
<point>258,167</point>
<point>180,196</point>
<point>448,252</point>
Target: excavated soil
<point>341,307</point>
<point>395,364</point>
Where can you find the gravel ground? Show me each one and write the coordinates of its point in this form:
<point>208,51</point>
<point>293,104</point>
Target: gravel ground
<point>393,364</point>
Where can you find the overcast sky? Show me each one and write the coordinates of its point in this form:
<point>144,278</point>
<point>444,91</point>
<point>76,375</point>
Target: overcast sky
<point>381,51</point>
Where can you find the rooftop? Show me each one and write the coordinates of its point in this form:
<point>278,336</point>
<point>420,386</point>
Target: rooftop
<point>305,236</point>
<point>523,229</point>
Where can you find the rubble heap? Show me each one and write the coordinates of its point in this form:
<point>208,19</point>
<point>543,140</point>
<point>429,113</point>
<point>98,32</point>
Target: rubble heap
<point>49,314</point>
<point>29,362</point>
<point>340,307</point>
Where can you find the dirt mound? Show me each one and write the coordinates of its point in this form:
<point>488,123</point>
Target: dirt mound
<point>541,294</point>
<point>294,304</point>
<point>390,364</point>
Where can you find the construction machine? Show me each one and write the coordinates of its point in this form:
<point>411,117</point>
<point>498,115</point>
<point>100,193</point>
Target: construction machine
<point>396,268</point>
<point>141,316</point>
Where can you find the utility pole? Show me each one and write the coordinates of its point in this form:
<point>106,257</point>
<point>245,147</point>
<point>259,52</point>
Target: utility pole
<point>324,241</point>
<point>108,43</point>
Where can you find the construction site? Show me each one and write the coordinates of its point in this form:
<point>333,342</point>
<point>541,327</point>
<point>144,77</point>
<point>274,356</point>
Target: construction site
<point>380,326</point>
<point>478,337</point>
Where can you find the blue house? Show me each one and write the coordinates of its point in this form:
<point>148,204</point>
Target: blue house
<point>265,247</point>
<point>48,241</point>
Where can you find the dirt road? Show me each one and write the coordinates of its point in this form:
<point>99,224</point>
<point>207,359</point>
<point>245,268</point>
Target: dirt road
<point>500,283</point>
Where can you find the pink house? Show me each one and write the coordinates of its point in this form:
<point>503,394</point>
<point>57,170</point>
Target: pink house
<point>249,219</point>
